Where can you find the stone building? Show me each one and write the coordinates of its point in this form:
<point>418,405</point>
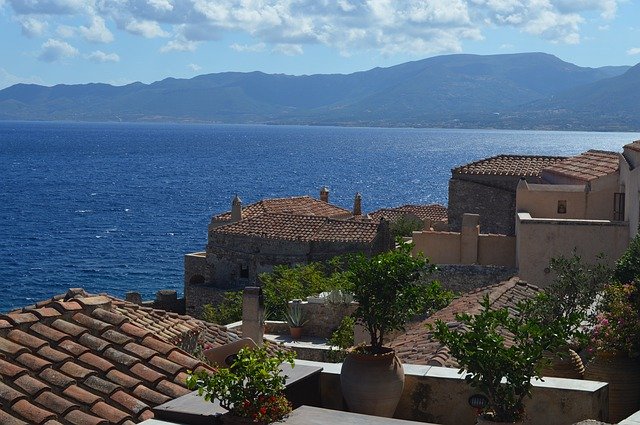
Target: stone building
<point>245,242</point>
<point>488,187</point>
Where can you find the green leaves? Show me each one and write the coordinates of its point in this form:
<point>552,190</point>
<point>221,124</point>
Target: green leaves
<point>389,292</point>
<point>500,353</point>
<point>254,375</point>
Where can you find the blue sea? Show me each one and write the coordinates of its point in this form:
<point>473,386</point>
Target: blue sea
<point>114,207</point>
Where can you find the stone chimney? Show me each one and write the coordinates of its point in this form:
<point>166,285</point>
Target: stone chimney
<point>253,314</point>
<point>324,194</point>
<point>236,209</point>
<point>357,204</point>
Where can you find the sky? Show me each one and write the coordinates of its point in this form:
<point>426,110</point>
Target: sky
<point>122,41</point>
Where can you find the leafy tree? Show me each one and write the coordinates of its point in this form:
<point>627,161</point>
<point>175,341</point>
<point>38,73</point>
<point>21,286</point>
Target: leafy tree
<point>405,226</point>
<point>628,265</point>
<point>229,310</point>
<point>286,283</point>
<point>499,369</point>
<point>389,292</point>
<point>341,339</point>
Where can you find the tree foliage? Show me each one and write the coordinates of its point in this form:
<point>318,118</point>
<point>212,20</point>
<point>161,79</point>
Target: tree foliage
<point>628,265</point>
<point>499,369</point>
<point>229,310</point>
<point>389,292</point>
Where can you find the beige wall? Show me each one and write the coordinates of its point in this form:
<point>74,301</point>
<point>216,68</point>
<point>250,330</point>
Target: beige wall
<point>630,185</point>
<point>440,395</point>
<point>467,247</point>
<point>595,202</point>
<point>539,240</point>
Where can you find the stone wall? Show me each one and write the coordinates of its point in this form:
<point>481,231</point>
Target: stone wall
<point>324,318</point>
<point>467,277</point>
<point>493,197</point>
<point>440,395</point>
<point>196,296</point>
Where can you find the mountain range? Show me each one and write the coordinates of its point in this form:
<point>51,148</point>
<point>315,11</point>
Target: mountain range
<point>518,91</point>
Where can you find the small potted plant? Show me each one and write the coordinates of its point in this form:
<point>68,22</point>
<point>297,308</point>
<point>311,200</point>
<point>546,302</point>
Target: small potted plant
<point>502,371</point>
<point>251,389</point>
<point>296,319</point>
<point>389,292</point>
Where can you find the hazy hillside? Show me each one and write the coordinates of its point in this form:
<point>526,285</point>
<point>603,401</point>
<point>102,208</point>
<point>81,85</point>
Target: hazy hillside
<point>454,90</point>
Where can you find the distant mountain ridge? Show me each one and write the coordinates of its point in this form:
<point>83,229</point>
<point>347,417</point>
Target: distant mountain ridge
<point>526,90</point>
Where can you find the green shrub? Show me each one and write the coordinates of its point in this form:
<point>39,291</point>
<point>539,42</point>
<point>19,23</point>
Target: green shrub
<point>341,339</point>
<point>627,267</point>
<point>405,226</point>
<point>229,310</point>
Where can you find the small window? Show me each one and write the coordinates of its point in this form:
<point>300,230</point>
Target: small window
<point>244,272</point>
<point>562,207</point>
<point>618,206</point>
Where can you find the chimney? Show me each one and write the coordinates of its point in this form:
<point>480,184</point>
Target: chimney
<point>236,209</point>
<point>324,194</point>
<point>357,204</point>
<point>253,314</point>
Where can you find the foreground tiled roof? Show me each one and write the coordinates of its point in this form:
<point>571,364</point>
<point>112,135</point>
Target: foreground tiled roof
<point>587,166</point>
<point>302,228</point>
<point>91,360</point>
<point>434,212</point>
<point>509,165</point>
<point>418,346</point>
<point>298,205</point>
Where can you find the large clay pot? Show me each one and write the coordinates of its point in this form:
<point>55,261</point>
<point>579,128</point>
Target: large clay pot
<point>623,376</point>
<point>567,365</point>
<point>481,420</point>
<point>372,383</point>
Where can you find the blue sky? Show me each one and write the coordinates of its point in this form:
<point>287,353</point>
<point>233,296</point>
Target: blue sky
<point>121,41</point>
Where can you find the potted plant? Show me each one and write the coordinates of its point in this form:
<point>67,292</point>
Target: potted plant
<point>501,370</point>
<point>389,292</point>
<point>296,319</point>
<point>251,389</point>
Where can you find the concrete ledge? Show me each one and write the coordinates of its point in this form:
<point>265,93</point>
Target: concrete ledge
<point>440,395</point>
<point>632,420</point>
<point>526,218</point>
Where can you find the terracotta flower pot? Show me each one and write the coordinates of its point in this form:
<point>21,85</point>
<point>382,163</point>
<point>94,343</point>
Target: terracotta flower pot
<point>481,420</point>
<point>229,419</point>
<point>372,383</point>
<point>296,332</point>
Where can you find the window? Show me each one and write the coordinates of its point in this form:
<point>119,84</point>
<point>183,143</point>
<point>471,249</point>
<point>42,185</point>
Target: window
<point>618,206</point>
<point>244,272</point>
<point>562,207</point>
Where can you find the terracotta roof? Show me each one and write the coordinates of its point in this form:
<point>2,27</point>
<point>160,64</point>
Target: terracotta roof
<point>634,146</point>
<point>418,346</point>
<point>85,359</point>
<point>302,228</point>
<point>434,212</point>
<point>586,166</point>
<point>298,205</point>
<point>509,165</point>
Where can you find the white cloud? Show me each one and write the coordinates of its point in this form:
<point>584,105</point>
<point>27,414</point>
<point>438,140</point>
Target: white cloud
<point>97,32</point>
<point>145,28</point>
<point>179,45</point>
<point>8,79</point>
<point>258,47</point>
<point>54,50</point>
<point>288,49</point>
<point>102,57</point>
<point>633,51</point>
<point>65,31</point>
<point>194,67</point>
<point>47,7</point>
<point>32,27</point>
<point>387,26</point>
